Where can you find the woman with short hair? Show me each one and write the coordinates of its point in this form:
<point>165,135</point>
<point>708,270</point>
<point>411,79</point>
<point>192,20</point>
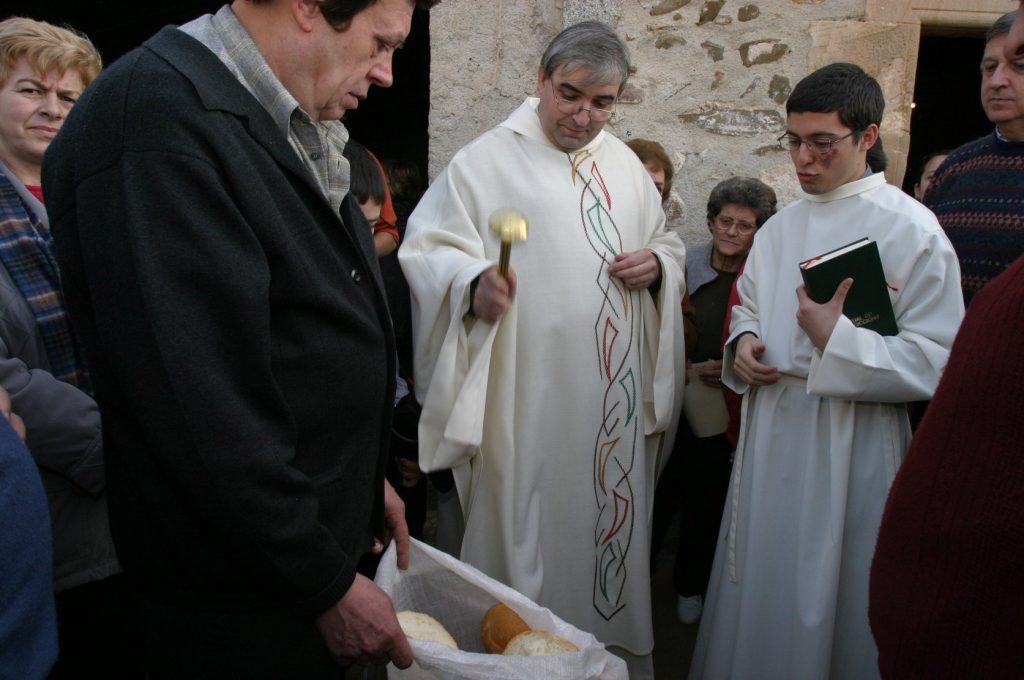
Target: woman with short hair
<point>43,71</point>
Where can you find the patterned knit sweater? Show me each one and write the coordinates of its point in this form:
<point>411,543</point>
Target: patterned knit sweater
<point>978,196</point>
<point>947,581</point>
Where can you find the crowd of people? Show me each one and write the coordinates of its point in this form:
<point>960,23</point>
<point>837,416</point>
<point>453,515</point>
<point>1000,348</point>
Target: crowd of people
<point>236,347</point>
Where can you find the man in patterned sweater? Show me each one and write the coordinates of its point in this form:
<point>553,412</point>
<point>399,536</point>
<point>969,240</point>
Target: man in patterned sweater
<point>978,193</point>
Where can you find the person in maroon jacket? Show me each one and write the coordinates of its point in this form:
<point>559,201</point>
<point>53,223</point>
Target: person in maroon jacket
<point>946,595</point>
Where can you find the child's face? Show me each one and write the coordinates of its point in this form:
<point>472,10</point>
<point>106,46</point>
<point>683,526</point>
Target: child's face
<point>371,209</point>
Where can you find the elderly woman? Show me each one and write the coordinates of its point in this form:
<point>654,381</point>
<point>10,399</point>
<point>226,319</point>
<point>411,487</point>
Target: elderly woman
<point>698,472</point>
<point>43,71</point>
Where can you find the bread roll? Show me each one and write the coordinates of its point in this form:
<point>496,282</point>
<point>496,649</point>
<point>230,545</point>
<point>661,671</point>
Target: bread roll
<point>538,643</point>
<point>420,626</point>
<point>500,625</point>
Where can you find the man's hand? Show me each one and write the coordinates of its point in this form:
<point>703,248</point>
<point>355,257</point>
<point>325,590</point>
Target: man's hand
<point>747,366</point>
<point>395,526</point>
<point>818,321</point>
<point>710,373</point>
<point>637,269</point>
<point>362,627</point>
<point>494,295</point>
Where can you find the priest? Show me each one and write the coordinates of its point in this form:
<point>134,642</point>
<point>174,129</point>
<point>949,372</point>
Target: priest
<point>553,391</point>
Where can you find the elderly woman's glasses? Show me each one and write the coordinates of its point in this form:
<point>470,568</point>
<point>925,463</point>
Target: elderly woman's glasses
<point>724,224</point>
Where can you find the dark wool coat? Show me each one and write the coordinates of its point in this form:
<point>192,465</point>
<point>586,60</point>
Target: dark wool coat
<point>238,334</point>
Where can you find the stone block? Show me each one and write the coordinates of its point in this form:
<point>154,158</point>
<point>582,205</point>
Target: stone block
<point>762,51</point>
<point>748,13</point>
<point>716,52</point>
<point>709,11</point>
<point>666,6</point>
<point>737,122</point>
<point>631,94</point>
<point>605,11</point>
<point>667,40</point>
<point>779,89</point>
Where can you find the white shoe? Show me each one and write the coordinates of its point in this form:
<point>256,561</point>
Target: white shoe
<point>688,609</point>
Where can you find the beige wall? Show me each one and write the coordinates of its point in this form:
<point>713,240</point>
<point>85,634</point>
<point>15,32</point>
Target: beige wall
<point>712,91</point>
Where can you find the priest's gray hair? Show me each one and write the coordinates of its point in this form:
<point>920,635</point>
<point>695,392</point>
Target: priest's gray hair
<point>592,45</point>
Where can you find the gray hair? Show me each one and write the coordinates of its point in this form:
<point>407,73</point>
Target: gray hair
<point>745,191</point>
<point>589,44</point>
<point>1000,27</point>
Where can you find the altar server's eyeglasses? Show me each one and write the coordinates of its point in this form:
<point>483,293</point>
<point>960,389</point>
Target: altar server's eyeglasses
<point>818,145</point>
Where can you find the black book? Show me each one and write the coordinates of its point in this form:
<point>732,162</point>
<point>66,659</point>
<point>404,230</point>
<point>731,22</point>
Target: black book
<point>867,304</point>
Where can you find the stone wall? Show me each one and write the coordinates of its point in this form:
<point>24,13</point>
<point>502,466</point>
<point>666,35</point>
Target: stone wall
<point>710,79</point>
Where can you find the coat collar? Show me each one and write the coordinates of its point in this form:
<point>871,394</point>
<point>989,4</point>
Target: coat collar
<point>219,90</point>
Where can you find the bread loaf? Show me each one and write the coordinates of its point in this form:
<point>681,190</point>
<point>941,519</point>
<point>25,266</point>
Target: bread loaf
<point>500,625</point>
<point>420,626</point>
<point>538,643</point>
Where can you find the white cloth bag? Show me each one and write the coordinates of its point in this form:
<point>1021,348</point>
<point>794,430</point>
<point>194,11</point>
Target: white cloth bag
<point>458,596</point>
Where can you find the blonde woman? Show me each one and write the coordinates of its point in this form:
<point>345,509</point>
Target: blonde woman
<point>43,71</point>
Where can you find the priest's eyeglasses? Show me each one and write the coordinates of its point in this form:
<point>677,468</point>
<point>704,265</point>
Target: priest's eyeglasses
<point>571,107</point>
<point>818,145</point>
<point>724,224</point>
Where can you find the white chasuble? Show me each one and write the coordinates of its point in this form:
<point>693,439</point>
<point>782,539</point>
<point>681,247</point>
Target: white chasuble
<point>555,420</point>
<point>818,450</point>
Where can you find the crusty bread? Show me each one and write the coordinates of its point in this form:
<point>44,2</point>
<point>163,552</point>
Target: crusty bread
<point>538,643</point>
<point>420,626</point>
<point>500,624</point>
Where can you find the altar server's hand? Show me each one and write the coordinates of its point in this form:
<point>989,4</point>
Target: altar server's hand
<point>637,269</point>
<point>494,295</point>
<point>818,321</point>
<point>362,627</point>
<point>751,371</point>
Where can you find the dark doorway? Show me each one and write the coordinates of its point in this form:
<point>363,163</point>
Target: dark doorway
<point>391,122</point>
<point>947,97</point>
<point>114,26</point>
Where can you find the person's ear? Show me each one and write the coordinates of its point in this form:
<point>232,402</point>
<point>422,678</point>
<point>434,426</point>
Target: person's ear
<point>305,13</point>
<point>869,137</point>
<point>541,79</point>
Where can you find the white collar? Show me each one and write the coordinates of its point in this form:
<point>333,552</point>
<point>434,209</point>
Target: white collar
<point>858,186</point>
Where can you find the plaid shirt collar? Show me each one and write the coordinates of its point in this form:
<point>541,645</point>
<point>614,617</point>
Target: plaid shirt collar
<point>318,144</point>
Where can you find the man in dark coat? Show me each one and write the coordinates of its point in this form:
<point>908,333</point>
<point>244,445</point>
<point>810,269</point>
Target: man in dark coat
<point>229,298</point>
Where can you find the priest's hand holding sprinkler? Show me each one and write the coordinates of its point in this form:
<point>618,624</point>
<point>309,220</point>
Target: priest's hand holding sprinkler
<point>494,290</point>
<point>510,225</point>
